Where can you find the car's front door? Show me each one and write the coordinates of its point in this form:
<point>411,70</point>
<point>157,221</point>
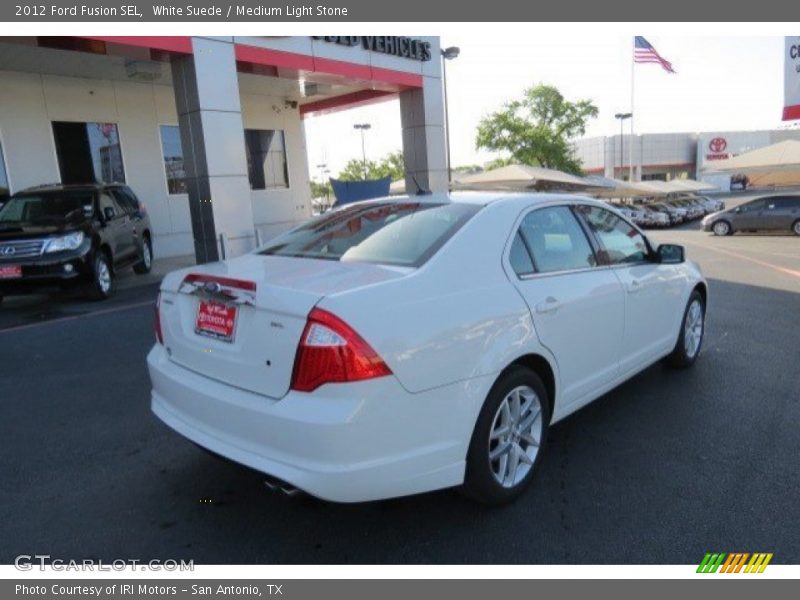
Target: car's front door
<point>653,292</point>
<point>115,224</point>
<point>577,307</point>
<point>749,215</point>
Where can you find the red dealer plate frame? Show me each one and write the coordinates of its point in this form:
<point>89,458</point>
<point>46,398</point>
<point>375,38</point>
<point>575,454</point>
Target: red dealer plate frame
<point>10,271</point>
<point>216,320</point>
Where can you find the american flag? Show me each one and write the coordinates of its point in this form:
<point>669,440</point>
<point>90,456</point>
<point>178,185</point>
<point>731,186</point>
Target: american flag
<point>643,52</point>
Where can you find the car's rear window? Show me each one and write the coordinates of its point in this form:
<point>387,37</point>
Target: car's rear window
<point>393,233</point>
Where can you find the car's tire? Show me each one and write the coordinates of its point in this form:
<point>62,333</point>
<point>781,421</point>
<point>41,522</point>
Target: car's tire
<point>722,228</point>
<point>102,285</point>
<point>693,329</point>
<point>146,264</point>
<point>511,430</point>
<point>796,227</point>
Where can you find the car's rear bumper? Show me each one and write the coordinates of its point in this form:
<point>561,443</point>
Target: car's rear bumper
<point>346,442</point>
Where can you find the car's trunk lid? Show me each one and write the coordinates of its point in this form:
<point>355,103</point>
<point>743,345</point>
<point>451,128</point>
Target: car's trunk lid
<point>272,297</point>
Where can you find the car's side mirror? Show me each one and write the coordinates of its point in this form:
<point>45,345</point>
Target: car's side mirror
<point>738,209</point>
<point>671,254</point>
<point>108,213</point>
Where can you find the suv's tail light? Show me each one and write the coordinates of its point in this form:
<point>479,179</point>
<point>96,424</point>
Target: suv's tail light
<point>330,351</point>
<point>157,321</point>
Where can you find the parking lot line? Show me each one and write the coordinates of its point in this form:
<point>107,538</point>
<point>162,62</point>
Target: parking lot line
<point>73,317</point>
<point>763,263</point>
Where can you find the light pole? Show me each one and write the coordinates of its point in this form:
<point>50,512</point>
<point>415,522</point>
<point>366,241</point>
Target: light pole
<point>363,127</point>
<point>622,117</point>
<point>448,54</point>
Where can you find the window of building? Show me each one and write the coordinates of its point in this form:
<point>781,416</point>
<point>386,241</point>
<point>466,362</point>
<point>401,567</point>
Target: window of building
<point>172,150</point>
<point>88,152</point>
<point>266,158</point>
<point>5,188</point>
<point>620,240</point>
<point>556,240</point>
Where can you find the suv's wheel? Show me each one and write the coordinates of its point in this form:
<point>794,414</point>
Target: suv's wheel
<point>507,443</point>
<point>722,228</point>
<point>796,227</point>
<point>691,336</point>
<point>144,265</point>
<point>102,282</point>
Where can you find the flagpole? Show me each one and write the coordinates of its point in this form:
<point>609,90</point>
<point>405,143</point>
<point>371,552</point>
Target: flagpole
<point>633,114</point>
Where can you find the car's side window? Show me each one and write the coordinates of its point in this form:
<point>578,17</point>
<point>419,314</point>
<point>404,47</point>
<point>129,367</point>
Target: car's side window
<point>620,241</point>
<point>753,206</point>
<point>519,257</point>
<point>556,240</point>
<point>125,201</point>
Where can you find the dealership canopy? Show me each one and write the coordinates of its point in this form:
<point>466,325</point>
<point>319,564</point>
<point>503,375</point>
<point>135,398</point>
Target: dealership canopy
<point>616,188</point>
<point>522,177</point>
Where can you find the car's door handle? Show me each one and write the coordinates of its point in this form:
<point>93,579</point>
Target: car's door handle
<point>548,306</point>
<point>634,286</point>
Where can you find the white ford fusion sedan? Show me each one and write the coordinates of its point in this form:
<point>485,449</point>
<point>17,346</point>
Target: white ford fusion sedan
<point>410,344</point>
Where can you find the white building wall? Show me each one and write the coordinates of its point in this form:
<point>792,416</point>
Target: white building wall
<point>29,102</point>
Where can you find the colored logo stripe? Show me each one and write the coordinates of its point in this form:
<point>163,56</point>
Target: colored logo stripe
<point>734,562</point>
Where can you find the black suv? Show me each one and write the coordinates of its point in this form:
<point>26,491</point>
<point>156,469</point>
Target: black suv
<point>59,236</point>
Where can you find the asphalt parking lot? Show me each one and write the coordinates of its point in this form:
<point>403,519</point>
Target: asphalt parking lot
<point>665,468</point>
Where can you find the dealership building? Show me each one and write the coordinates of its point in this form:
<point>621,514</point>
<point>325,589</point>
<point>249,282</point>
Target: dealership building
<point>208,132</point>
<point>665,156</point>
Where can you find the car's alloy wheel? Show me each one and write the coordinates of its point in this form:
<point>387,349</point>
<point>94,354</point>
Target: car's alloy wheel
<point>693,328</point>
<point>796,227</point>
<point>103,276</point>
<point>102,283</point>
<point>721,228</point>
<point>509,437</point>
<point>146,263</point>
<point>516,436</point>
<point>690,339</point>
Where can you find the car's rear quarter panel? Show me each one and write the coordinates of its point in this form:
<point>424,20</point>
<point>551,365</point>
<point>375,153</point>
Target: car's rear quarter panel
<point>456,318</point>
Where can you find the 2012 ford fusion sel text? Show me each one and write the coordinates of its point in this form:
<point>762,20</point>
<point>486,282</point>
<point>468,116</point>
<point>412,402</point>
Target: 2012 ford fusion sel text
<point>403,345</point>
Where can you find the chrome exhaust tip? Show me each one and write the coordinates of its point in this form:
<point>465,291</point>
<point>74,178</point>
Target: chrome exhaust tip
<point>279,485</point>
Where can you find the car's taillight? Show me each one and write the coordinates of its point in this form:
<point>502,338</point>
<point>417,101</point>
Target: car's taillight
<point>330,351</point>
<point>157,321</point>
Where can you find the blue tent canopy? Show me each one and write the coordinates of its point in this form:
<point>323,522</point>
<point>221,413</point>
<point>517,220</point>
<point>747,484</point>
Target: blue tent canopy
<point>353,191</point>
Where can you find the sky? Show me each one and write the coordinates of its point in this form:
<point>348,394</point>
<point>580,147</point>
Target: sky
<point>722,83</point>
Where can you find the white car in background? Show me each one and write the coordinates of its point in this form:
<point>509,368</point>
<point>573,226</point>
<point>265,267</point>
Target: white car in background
<point>404,345</point>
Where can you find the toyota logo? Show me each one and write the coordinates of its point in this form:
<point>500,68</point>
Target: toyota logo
<point>7,250</point>
<point>718,144</point>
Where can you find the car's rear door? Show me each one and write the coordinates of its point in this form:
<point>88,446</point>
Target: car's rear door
<point>577,307</point>
<point>653,292</point>
<point>782,212</point>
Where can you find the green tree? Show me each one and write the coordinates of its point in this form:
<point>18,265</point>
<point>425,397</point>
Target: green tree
<point>391,165</point>
<point>321,190</point>
<point>537,129</point>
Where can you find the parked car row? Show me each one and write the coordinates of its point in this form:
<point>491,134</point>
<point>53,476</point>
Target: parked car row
<point>61,236</point>
<point>666,213</point>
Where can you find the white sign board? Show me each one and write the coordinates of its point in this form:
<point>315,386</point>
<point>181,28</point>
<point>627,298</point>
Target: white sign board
<point>791,78</point>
